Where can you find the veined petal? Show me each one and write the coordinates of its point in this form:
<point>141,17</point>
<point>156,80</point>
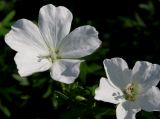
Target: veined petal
<point>150,100</point>
<point>107,93</point>
<point>117,72</point>
<point>26,35</point>
<point>28,63</point>
<point>54,23</point>
<point>146,74</point>
<point>127,110</point>
<point>65,70</point>
<point>79,43</point>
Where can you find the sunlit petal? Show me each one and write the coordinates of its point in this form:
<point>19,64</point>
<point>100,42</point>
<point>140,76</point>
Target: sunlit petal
<point>117,72</point>
<point>147,74</point>
<point>29,63</point>
<point>107,93</point>
<point>79,43</point>
<point>26,35</point>
<point>127,110</point>
<point>65,70</point>
<point>54,23</point>
<point>150,100</point>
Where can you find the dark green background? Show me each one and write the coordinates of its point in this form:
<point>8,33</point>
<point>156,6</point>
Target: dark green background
<point>128,28</point>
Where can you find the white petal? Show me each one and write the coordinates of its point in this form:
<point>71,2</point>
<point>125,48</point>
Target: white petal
<point>117,72</point>
<point>150,100</point>
<point>127,110</point>
<point>65,70</point>
<point>54,23</point>
<point>79,43</point>
<point>29,63</point>
<point>146,74</point>
<point>107,93</point>
<point>26,35</point>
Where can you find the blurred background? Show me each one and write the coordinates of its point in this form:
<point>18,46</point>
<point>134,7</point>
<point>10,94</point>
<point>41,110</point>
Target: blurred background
<point>129,29</point>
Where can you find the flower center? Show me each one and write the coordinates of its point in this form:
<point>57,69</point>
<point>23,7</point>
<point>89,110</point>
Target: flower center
<point>53,55</point>
<point>131,91</point>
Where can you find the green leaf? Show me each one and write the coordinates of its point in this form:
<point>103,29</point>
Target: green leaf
<point>80,98</point>
<point>5,110</point>
<point>7,20</point>
<point>93,68</point>
<point>59,94</point>
<point>149,7</point>
<point>2,5</point>
<point>139,21</point>
<point>22,81</point>
<point>48,92</point>
<point>84,71</point>
<point>108,112</point>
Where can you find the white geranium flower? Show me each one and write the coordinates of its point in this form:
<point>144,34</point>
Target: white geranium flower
<point>132,90</point>
<point>50,46</point>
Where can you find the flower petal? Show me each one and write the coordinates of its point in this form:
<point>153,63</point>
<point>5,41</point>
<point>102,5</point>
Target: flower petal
<point>79,43</point>
<point>147,74</point>
<point>127,110</point>
<point>54,23</point>
<point>26,35</point>
<point>117,72</point>
<point>107,93</point>
<point>150,100</point>
<point>65,70</point>
<point>29,63</point>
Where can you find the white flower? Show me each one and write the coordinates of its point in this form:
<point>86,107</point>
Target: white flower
<point>132,90</point>
<point>50,46</point>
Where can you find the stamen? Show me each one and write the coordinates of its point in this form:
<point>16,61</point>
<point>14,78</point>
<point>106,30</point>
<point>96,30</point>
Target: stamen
<point>131,91</point>
<point>51,57</point>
